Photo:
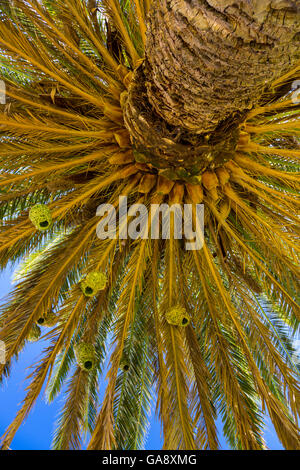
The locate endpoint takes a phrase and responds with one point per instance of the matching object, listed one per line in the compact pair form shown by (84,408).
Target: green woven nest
(93,283)
(40,216)
(124,365)
(178,316)
(48,320)
(85,356)
(34,333)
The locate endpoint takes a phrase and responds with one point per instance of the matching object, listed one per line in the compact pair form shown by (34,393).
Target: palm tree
(162,101)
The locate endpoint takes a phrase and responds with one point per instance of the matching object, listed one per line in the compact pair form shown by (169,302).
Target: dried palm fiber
(210,183)
(34,333)
(176,194)
(147,183)
(85,355)
(40,216)
(93,283)
(195,193)
(164,185)
(121,158)
(209,180)
(224,209)
(223,175)
(48,320)
(178,316)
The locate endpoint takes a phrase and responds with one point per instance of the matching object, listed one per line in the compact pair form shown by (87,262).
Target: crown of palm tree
(69,67)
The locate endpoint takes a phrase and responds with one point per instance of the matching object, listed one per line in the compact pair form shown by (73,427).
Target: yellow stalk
(44,150)
(56,167)
(164,185)
(51,109)
(30,127)
(147,6)
(117,355)
(270,244)
(176,194)
(223,175)
(103,260)
(239,415)
(147,183)
(83,58)
(60,271)
(241,176)
(195,193)
(189,443)
(114,113)
(113,5)
(251,254)
(260,169)
(271,107)
(231,194)
(285,77)
(263,128)
(162,368)
(52,282)
(11,431)
(122,138)
(124,173)
(56,75)
(121,158)
(270,400)
(188,439)
(104,182)
(89,32)
(270,201)
(23,234)
(252,147)
(141,19)
(114,202)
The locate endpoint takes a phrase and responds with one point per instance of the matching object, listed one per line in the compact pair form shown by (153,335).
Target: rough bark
(207,62)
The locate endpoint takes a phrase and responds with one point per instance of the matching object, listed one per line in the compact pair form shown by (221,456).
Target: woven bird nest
(124,365)
(34,333)
(178,316)
(40,216)
(85,356)
(48,320)
(93,283)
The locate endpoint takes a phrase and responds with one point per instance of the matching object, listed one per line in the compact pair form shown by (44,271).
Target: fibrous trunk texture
(207,62)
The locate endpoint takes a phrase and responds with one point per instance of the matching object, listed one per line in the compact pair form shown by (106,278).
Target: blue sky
(36,433)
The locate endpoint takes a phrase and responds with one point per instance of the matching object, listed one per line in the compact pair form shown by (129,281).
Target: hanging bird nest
(178,316)
(85,356)
(34,333)
(48,320)
(40,216)
(93,283)
(124,365)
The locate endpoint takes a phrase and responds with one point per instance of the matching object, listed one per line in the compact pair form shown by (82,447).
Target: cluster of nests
(86,356)
(94,282)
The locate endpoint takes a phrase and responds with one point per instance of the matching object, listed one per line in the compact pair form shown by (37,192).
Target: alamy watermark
(296,354)
(158,221)
(2,352)
(2,92)
(296,92)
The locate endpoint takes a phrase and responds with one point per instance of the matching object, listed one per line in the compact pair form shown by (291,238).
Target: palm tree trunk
(207,62)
